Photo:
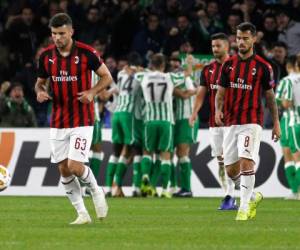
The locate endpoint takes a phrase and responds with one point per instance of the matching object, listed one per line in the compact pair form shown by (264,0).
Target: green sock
(165,169)
(173,176)
(290,174)
(137,172)
(95,163)
(297,175)
(121,170)
(146,164)
(110,171)
(185,173)
(155,173)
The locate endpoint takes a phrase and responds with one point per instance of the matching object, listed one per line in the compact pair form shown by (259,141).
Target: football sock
(89,180)
(185,173)
(230,186)
(146,164)
(73,191)
(222,176)
(95,162)
(121,170)
(247,186)
(155,173)
(165,172)
(291,176)
(137,173)
(173,175)
(237,181)
(298,175)
(111,169)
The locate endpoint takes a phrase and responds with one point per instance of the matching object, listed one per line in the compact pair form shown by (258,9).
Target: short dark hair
(59,20)
(245,26)
(221,36)
(157,60)
(134,59)
(279,44)
(292,60)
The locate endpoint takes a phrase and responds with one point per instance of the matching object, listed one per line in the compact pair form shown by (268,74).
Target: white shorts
(241,141)
(216,141)
(71,143)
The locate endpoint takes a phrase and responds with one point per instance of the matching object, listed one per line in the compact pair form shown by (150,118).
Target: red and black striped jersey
(68,76)
(244,81)
(208,79)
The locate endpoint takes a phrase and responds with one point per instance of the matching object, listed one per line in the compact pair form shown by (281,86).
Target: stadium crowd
(116,28)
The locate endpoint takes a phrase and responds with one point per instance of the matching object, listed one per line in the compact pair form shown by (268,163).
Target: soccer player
(208,84)
(283,90)
(123,118)
(184,134)
(291,101)
(157,88)
(68,64)
(238,107)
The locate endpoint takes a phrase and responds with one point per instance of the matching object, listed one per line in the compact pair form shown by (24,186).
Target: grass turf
(42,223)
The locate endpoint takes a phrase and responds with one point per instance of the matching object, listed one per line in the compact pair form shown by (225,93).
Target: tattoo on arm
(271,104)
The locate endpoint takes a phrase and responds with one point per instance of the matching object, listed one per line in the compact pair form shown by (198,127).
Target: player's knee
(246,164)
(232,171)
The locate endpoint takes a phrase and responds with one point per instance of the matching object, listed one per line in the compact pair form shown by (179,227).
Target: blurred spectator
(269,30)
(23,36)
(15,110)
(93,28)
(289,32)
(111,64)
(150,38)
(279,53)
(234,19)
(209,18)
(101,46)
(124,27)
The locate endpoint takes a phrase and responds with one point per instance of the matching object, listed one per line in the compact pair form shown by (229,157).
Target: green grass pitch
(42,223)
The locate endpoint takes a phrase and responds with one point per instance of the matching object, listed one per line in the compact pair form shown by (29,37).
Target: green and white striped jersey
(127,91)
(184,107)
(95,79)
(157,90)
(292,93)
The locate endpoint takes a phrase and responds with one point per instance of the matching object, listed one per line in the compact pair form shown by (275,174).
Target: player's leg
(117,136)
(59,146)
(155,174)
(97,154)
(73,190)
(173,176)
(80,142)
(289,164)
(294,144)
(127,127)
(137,172)
(248,149)
(165,146)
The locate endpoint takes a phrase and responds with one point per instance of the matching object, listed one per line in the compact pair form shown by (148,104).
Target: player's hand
(192,119)
(43,96)
(219,118)
(86,96)
(276,132)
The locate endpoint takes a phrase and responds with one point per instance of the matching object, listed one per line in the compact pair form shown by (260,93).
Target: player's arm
(41,90)
(197,104)
(184,94)
(105,80)
(287,97)
(271,104)
(219,104)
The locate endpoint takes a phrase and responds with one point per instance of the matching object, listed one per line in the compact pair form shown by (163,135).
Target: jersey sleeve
(203,80)
(267,80)
(41,70)
(177,79)
(94,60)
(287,91)
(223,78)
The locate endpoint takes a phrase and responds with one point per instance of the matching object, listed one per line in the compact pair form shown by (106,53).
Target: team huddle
(155,119)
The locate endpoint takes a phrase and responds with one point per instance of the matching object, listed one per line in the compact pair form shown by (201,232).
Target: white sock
(237,181)
(230,186)
(73,191)
(89,180)
(247,186)
(97,155)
